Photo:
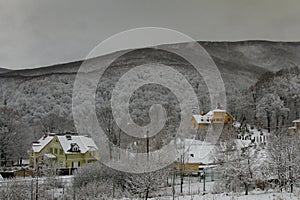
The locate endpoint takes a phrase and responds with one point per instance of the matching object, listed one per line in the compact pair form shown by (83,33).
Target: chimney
(68,136)
(218,106)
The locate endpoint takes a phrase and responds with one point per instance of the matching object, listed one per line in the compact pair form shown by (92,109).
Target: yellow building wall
(55,148)
(187,168)
(219,117)
(194,124)
(229,119)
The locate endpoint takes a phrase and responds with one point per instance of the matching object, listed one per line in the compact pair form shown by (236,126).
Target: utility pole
(119,144)
(173,185)
(204,176)
(147,145)
(37,185)
(31,189)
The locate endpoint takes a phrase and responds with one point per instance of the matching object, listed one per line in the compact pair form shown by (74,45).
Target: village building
(296,128)
(195,156)
(63,151)
(196,153)
(218,116)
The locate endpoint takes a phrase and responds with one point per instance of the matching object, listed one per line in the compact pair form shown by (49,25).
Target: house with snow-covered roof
(195,154)
(214,117)
(296,127)
(63,151)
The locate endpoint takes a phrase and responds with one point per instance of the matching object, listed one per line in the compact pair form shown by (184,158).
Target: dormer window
(74,148)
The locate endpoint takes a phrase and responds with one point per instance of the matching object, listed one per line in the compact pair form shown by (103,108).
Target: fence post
(7,196)
(31,189)
(74,192)
(37,188)
(113,187)
(173,185)
(204,179)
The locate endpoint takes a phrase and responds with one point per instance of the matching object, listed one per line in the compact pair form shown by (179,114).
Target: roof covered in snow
(196,151)
(42,142)
(219,110)
(296,121)
(49,155)
(84,143)
(208,117)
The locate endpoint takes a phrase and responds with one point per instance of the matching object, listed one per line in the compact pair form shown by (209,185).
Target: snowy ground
(193,190)
(260,196)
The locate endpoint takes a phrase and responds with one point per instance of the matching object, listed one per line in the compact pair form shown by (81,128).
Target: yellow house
(214,117)
(63,151)
(194,154)
(296,128)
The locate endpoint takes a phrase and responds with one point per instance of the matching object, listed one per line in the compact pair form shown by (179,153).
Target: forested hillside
(42,97)
(273,102)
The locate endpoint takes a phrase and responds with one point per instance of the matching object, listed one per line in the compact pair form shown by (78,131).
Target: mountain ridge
(218,50)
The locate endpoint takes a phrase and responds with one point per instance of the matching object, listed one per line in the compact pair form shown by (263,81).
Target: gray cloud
(37,33)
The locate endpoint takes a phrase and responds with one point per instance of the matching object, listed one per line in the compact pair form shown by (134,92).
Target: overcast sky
(38,33)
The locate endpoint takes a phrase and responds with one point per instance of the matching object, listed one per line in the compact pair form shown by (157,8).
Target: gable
(74,148)
(42,143)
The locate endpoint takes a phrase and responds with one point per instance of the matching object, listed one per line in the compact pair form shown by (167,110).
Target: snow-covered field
(192,190)
(255,196)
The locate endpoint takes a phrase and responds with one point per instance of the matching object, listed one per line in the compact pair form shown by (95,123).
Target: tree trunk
(181,182)
(246,188)
(269,123)
(147,193)
(283,119)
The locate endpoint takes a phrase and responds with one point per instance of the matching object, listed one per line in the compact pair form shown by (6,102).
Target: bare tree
(284,156)
(97,180)
(239,164)
(269,105)
(144,183)
(56,124)
(13,139)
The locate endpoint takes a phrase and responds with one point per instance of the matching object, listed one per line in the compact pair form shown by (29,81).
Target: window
(51,150)
(60,152)
(75,164)
(55,151)
(74,148)
(92,153)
